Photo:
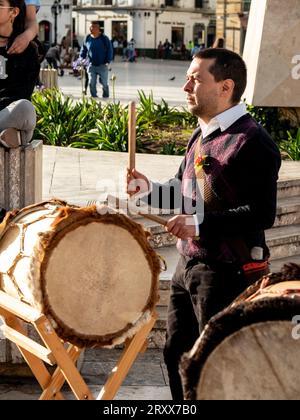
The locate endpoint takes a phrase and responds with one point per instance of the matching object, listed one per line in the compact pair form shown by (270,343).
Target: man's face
(95,29)
(203,92)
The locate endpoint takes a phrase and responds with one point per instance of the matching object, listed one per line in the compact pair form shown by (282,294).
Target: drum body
(93,275)
(250,350)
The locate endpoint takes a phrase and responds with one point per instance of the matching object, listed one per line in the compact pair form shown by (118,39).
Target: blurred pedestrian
(98,49)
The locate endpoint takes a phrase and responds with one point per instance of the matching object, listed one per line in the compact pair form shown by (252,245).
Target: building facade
(149,22)
(55,20)
(232,20)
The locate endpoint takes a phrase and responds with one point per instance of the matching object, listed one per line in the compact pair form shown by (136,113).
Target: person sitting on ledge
(18,76)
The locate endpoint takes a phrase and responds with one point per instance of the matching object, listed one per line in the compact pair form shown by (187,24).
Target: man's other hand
(183,227)
(137,183)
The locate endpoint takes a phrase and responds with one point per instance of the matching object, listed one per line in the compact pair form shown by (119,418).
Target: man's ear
(227,88)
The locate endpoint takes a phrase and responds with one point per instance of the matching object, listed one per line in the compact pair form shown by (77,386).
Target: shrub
(291,146)
(62,121)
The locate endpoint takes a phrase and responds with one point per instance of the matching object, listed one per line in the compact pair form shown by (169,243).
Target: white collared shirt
(222,121)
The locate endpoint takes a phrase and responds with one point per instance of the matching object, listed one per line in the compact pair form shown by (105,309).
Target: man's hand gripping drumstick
(181,226)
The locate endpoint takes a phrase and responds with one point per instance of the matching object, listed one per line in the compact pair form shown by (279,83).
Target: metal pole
(225,21)
(155,32)
(55,24)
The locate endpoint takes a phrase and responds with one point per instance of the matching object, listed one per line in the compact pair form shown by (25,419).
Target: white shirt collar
(223,120)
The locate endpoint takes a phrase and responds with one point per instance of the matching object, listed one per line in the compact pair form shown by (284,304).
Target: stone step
(289,187)
(165,279)
(288,213)
(283,241)
(276,265)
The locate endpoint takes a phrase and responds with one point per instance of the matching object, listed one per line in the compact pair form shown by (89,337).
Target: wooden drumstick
(122,203)
(132,135)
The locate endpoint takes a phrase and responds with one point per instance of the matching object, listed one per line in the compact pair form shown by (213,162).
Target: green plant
(291,146)
(271,120)
(172,149)
(60,121)
(161,114)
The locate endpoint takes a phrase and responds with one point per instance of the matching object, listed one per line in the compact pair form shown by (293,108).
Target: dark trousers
(198,292)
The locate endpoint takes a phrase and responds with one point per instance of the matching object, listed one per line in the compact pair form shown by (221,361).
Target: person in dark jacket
(98,49)
(18,77)
(224,195)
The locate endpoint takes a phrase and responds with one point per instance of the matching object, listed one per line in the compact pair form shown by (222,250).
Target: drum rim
(81,217)
(209,343)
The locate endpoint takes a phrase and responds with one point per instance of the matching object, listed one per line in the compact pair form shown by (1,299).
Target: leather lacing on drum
(12,221)
(285,292)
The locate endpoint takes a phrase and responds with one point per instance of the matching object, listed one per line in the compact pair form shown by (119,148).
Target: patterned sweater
(240,191)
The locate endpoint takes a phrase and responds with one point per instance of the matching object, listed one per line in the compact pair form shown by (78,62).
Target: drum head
(103,279)
(259,362)
(257,334)
(95,276)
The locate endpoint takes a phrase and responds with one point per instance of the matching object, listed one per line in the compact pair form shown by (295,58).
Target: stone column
(272,54)
(48,78)
(20,186)
(21,175)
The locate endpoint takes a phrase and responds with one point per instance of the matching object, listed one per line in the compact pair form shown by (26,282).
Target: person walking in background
(125,50)
(115,45)
(167,49)
(53,56)
(131,51)
(219,43)
(98,49)
(231,166)
(195,50)
(160,51)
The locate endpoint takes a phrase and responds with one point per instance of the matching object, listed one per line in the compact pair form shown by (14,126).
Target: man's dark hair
(228,65)
(19,22)
(96,22)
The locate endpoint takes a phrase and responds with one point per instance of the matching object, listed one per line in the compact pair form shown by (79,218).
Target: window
(119,30)
(170,3)
(198,4)
(108,2)
(246,5)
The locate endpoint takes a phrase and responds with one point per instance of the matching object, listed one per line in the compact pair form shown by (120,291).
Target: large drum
(94,275)
(250,350)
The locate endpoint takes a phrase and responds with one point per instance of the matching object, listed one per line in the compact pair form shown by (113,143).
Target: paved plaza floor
(147,75)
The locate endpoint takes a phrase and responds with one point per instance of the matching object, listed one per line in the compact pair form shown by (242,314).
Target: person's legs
(182,329)
(19,115)
(92,72)
(198,292)
(103,75)
(213,288)
(86,80)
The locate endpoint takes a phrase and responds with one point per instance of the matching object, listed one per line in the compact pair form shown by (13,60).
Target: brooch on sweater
(200,162)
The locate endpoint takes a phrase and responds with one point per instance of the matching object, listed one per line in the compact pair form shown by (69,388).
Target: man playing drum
(231,164)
